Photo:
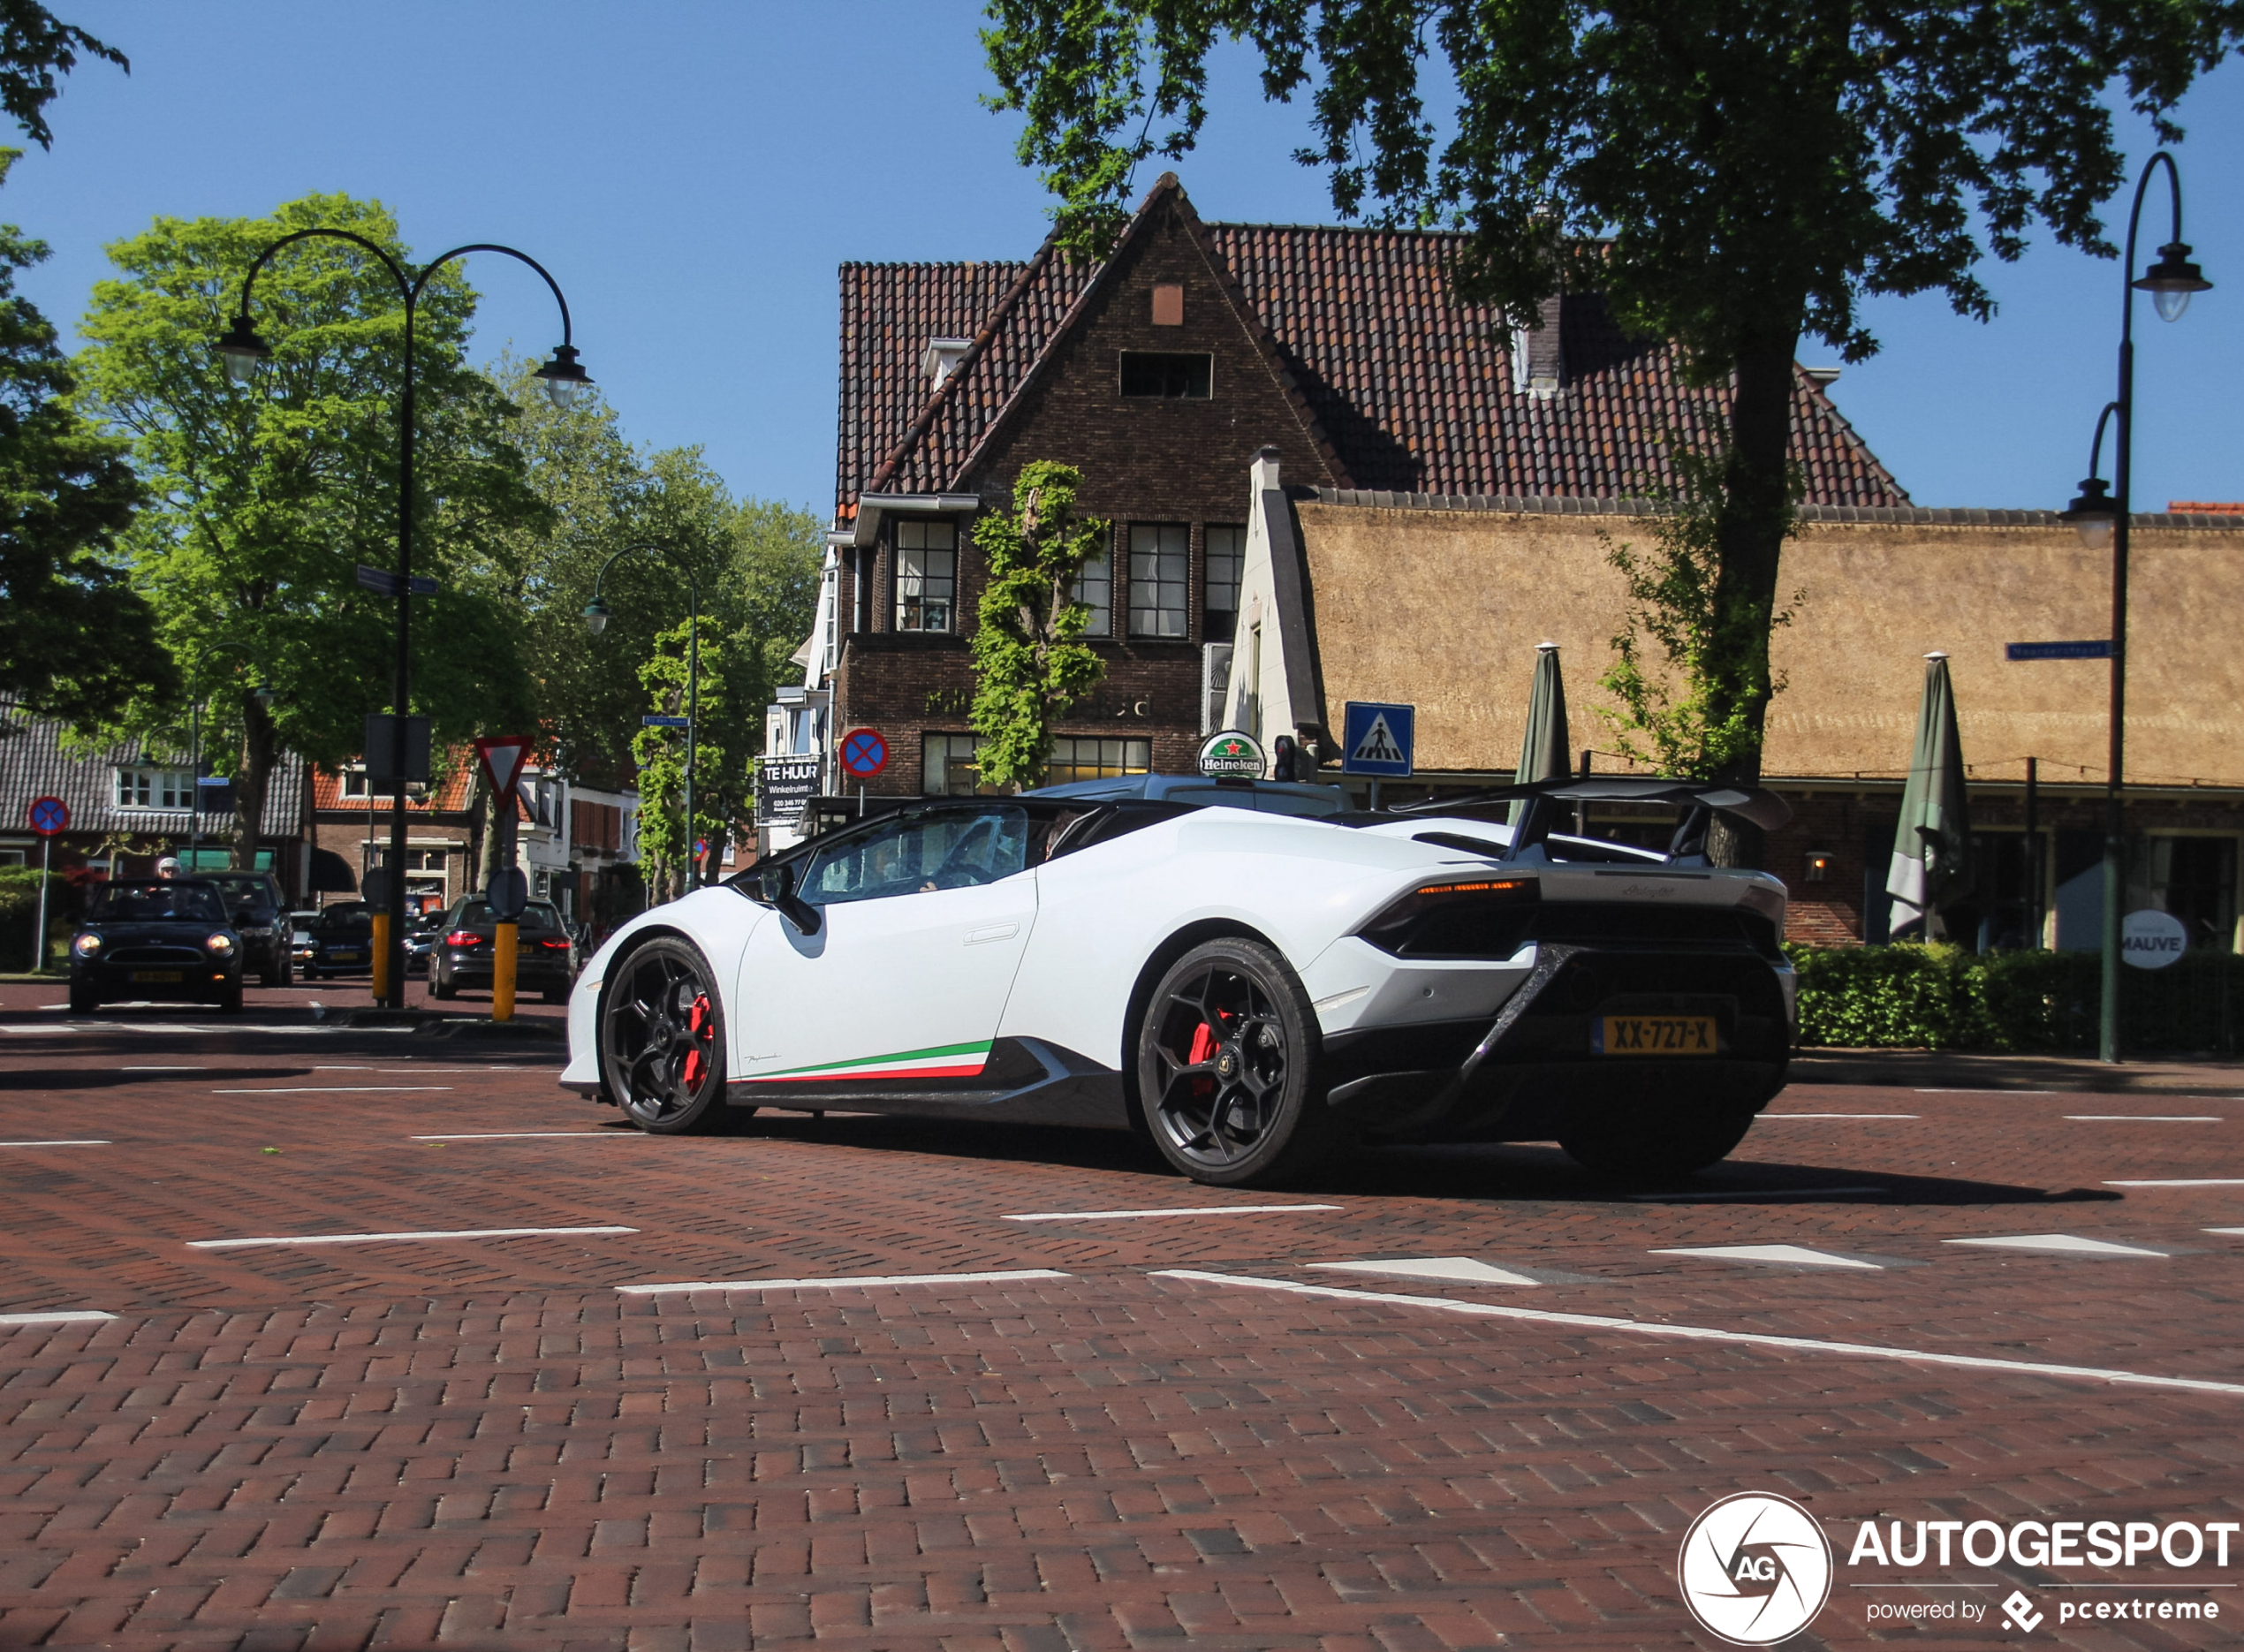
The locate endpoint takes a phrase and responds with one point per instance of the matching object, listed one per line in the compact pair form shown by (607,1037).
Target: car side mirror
(775,888)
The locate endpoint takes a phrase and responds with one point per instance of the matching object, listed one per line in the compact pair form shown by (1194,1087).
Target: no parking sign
(864,754)
(47,815)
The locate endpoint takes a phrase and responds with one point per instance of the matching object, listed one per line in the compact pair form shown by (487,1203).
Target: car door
(922,922)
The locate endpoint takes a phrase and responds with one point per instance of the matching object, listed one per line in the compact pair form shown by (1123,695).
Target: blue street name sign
(384,582)
(662,723)
(1377,739)
(2058,650)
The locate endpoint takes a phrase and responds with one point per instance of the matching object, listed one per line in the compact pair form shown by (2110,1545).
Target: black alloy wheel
(1227,1067)
(662,1041)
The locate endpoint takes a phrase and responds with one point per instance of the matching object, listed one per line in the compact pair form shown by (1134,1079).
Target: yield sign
(503,756)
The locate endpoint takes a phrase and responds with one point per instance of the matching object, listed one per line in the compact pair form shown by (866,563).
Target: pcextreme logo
(1755,1569)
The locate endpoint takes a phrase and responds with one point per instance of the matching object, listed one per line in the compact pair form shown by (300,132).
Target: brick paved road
(482,1442)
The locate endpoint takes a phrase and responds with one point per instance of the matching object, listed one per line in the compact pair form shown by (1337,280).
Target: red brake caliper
(1203,1044)
(698,1022)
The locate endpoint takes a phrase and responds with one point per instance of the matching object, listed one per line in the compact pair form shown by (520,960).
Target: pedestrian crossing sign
(1377,739)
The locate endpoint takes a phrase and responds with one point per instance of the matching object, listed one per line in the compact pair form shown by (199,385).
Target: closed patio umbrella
(1544,752)
(1931,866)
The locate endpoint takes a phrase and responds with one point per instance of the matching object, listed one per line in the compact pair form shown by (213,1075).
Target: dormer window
(940,360)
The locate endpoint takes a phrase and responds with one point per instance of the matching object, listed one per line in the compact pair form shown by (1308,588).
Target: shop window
(1160,556)
(1168,376)
(947,767)
(927,575)
(1090,759)
(2195,879)
(1227,561)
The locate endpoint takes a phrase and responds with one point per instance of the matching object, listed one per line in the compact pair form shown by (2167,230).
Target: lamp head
(566,384)
(2093,514)
(2170,281)
(595,616)
(243,350)
(264,694)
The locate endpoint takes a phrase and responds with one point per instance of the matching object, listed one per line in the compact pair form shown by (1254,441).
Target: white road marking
(541,1135)
(2228,1231)
(57,1144)
(870,1280)
(1760,1192)
(387,1239)
(1133,1216)
(2187,1181)
(2070,1243)
(1798,1255)
(333,1089)
(204,1069)
(2145,1119)
(1703,1333)
(1462,1269)
(1839,1115)
(72,1317)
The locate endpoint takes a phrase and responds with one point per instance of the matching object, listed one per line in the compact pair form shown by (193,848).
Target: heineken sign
(1232,756)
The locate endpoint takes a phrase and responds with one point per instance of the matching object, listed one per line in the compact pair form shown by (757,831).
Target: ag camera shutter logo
(1755,1569)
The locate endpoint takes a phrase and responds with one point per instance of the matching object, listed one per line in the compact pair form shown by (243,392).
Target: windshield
(247,892)
(156,903)
(355,920)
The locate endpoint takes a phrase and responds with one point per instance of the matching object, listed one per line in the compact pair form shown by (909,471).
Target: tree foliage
(1682,713)
(1030,663)
(1730,173)
(77,642)
(35,47)
(268,496)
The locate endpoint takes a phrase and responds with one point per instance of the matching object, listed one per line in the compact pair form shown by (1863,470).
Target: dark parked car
(146,938)
(341,941)
(421,940)
(260,918)
(544,961)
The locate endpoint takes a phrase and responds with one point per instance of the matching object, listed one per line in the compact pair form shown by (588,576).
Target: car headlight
(87,945)
(220,942)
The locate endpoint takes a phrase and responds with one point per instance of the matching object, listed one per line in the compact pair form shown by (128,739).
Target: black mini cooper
(155,938)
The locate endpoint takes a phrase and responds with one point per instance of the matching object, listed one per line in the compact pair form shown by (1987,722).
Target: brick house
(1162,372)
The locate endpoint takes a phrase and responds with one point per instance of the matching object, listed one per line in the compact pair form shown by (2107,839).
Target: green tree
(1732,174)
(35,46)
(76,641)
(267,495)
(1030,661)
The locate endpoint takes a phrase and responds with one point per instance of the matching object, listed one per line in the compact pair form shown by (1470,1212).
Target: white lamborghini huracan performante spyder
(1252,992)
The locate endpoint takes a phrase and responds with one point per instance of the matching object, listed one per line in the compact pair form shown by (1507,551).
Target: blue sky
(692,171)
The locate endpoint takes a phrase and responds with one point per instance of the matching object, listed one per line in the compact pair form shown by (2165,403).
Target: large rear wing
(1699,801)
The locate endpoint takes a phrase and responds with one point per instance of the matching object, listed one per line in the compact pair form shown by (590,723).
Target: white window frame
(1160,580)
(927,577)
(1095,589)
(147,786)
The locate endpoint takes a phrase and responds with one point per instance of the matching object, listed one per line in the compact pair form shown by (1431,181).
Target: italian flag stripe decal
(938,1061)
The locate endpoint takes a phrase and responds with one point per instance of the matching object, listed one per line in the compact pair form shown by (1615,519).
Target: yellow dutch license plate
(1655,1035)
(154,975)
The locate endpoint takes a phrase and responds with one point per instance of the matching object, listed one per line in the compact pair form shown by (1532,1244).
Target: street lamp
(564,382)
(597,615)
(263,693)
(2101,519)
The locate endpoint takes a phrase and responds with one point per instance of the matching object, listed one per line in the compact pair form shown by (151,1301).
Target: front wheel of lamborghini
(662,1041)
(1228,1057)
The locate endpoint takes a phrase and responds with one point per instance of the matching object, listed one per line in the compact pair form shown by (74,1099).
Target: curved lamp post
(263,693)
(2101,519)
(597,615)
(566,382)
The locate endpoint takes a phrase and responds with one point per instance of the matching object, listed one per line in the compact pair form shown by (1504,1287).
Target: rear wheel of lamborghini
(1228,1055)
(662,1041)
(1654,1143)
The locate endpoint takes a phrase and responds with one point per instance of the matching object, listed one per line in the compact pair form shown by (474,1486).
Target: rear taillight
(1474,917)
(555,947)
(463,937)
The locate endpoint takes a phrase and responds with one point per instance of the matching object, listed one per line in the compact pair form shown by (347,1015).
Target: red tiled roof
(1414,393)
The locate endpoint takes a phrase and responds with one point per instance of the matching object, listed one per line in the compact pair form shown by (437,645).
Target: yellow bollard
(381,957)
(502,971)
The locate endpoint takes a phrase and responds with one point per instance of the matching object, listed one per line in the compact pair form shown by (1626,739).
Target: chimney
(940,358)
(1265,475)
(1538,367)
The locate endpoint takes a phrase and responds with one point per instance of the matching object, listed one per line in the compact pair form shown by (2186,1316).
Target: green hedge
(1944,998)
(19,914)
